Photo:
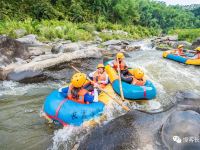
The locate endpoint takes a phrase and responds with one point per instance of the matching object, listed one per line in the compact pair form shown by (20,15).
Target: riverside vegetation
(78,19)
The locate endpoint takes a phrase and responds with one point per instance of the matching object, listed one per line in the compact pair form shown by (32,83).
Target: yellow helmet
(100,66)
(78,79)
(197,49)
(120,55)
(180,46)
(138,73)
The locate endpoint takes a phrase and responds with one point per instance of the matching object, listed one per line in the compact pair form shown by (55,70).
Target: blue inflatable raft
(185,60)
(131,92)
(67,112)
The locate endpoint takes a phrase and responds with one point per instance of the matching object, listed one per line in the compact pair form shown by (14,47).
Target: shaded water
(20,104)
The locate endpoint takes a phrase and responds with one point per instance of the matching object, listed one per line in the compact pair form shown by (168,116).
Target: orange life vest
(198,55)
(99,77)
(139,82)
(122,65)
(180,52)
(81,94)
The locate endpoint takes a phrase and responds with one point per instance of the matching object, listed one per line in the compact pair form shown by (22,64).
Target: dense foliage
(134,16)
(186,34)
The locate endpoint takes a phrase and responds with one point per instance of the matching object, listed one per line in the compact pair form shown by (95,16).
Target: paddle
(113,98)
(120,81)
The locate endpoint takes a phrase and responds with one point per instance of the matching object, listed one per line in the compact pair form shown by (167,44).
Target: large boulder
(11,49)
(111,42)
(30,39)
(64,48)
(182,130)
(196,43)
(41,63)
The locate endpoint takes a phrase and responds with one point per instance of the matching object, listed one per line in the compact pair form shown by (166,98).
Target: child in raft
(99,77)
(76,91)
(137,78)
(197,53)
(179,51)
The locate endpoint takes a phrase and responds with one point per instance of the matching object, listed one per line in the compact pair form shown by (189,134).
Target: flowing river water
(21,126)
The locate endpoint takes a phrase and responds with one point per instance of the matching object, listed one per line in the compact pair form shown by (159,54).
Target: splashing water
(21,127)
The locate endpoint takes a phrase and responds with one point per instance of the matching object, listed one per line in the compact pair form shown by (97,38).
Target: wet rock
(64,48)
(179,128)
(196,43)
(20,61)
(40,50)
(22,75)
(163,47)
(132,48)
(111,42)
(141,130)
(186,44)
(37,66)
(114,47)
(111,135)
(45,57)
(11,49)
(30,39)
(36,52)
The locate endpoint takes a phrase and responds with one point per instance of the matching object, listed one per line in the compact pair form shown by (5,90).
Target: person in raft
(99,77)
(122,64)
(179,51)
(197,53)
(138,77)
(135,77)
(76,91)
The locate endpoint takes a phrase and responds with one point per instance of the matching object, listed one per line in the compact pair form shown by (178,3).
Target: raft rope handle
(145,91)
(59,106)
(57,112)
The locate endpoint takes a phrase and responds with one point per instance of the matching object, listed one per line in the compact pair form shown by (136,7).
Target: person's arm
(91,74)
(90,98)
(63,90)
(106,81)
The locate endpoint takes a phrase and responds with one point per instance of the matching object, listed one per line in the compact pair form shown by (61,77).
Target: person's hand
(60,90)
(96,85)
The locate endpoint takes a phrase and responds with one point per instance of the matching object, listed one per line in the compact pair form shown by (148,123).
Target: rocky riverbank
(26,58)
(171,42)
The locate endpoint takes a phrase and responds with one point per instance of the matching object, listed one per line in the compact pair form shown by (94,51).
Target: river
(21,126)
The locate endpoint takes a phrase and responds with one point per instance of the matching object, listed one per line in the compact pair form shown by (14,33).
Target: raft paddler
(100,77)
(76,91)
(135,77)
(138,77)
(122,64)
(179,50)
(197,53)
